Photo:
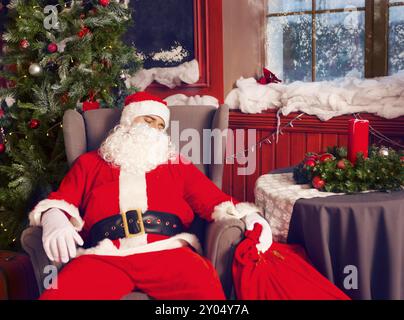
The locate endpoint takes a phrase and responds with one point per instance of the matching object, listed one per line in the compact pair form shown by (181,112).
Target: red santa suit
(94,190)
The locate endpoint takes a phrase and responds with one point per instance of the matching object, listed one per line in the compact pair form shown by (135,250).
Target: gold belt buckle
(139,223)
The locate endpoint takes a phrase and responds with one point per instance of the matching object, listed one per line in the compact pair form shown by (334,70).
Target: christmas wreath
(383,170)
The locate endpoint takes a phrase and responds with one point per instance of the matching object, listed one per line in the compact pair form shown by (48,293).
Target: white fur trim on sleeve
(42,206)
(227,210)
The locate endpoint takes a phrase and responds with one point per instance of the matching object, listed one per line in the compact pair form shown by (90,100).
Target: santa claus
(128,206)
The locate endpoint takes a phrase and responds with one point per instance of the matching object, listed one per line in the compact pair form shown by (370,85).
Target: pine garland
(383,170)
(90,57)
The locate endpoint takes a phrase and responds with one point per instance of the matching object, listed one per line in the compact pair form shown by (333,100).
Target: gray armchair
(85,132)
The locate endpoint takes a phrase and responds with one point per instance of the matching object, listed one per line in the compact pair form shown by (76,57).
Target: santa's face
(152,121)
(140,147)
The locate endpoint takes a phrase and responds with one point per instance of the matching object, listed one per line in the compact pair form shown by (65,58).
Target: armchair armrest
(222,239)
(31,241)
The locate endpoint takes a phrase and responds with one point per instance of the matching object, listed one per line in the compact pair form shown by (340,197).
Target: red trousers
(177,274)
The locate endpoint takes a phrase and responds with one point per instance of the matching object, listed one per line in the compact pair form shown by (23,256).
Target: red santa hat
(144,104)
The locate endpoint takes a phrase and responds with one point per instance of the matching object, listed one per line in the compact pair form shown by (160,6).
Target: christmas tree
(57,55)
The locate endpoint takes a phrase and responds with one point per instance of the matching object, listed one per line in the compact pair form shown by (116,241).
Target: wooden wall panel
(308,134)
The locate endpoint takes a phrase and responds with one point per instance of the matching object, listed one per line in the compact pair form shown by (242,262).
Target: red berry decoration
(326,157)
(34,123)
(311,155)
(104,3)
(24,44)
(2,148)
(310,163)
(341,164)
(52,47)
(318,183)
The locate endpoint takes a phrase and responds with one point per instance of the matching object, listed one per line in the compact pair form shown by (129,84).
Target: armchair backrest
(85,132)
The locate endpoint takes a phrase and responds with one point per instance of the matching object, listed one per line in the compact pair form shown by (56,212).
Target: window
(315,40)
(396,36)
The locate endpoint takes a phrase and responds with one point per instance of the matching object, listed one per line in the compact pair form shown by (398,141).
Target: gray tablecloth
(365,231)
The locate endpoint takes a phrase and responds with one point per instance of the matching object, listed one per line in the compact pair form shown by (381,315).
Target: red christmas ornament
(402,158)
(326,157)
(83,32)
(2,148)
(318,183)
(24,44)
(1,113)
(310,163)
(104,3)
(52,47)
(34,123)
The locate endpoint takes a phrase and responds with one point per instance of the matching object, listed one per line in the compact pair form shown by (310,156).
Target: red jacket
(93,190)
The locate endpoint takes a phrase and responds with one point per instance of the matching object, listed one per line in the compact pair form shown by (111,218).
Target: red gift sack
(283,272)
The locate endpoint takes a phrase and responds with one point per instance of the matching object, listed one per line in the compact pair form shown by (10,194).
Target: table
(360,232)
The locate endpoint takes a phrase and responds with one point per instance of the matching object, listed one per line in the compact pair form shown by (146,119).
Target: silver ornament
(35,69)
(384,152)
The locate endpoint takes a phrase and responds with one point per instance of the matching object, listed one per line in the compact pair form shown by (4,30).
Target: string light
(378,134)
(267,139)
(59,124)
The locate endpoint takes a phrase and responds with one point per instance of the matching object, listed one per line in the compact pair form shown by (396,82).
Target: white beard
(137,149)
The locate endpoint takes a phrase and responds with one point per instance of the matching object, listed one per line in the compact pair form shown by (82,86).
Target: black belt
(134,223)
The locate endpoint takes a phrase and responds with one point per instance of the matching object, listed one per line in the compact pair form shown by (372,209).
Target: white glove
(59,236)
(265,239)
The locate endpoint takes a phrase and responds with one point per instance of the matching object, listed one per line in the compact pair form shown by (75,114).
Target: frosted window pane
(289,47)
(281,6)
(396,39)
(340,41)
(338,4)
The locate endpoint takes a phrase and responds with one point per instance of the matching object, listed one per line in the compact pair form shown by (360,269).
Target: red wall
(308,134)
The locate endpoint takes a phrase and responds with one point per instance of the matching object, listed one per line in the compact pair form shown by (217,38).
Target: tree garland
(383,170)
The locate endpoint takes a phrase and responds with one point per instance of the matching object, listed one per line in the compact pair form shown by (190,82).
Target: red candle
(358,138)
